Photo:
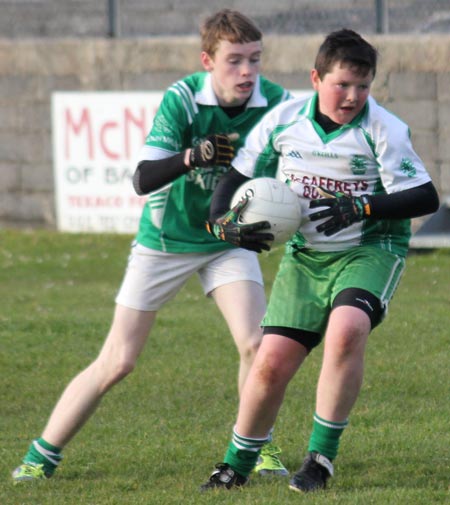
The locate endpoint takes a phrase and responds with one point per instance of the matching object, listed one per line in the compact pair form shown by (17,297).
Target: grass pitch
(157,435)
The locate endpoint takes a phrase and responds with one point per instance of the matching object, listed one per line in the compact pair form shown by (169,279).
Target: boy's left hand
(344,210)
(214,150)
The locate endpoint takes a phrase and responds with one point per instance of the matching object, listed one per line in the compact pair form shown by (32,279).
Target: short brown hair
(349,48)
(227,25)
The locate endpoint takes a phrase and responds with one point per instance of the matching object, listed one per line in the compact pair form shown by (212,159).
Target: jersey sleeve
(168,132)
(259,157)
(261,153)
(400,167)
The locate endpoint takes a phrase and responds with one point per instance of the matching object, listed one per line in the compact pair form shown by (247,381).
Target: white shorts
(153,277)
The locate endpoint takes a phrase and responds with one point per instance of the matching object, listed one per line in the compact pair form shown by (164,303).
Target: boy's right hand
(241,235)
(214,150)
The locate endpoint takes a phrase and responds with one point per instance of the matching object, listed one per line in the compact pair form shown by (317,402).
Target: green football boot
(269,462)
(28,471)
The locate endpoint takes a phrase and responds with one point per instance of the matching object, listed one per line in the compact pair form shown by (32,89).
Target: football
(270,200)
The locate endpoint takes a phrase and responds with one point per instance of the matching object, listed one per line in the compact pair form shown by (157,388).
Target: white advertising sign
(96,140)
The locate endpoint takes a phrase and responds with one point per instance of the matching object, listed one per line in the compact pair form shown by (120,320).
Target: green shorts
(308,281)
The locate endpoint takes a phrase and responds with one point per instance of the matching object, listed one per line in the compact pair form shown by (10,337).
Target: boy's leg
(235,282)
(243,304)
(152,278)
(117,358)
(364,281)
(81,397)
(275,364)
(342,369)
(338,388)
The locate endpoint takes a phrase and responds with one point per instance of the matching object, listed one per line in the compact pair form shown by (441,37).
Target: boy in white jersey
(359,181)
(201,120)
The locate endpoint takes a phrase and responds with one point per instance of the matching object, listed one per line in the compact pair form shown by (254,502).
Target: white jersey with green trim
(173,218)
(372,154)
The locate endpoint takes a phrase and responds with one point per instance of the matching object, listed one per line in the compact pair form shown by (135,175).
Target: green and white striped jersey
(173,218)
(372,154)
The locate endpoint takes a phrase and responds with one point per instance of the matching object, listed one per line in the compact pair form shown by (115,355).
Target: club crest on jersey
(407,167)
(358,164)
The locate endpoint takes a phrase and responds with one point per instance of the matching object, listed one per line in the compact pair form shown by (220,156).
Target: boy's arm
(223,221)
(225,189)
(344,210)
(154,174)
(406,204)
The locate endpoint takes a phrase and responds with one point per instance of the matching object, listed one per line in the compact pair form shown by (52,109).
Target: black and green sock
(41,452)
(325,437)
(243,452)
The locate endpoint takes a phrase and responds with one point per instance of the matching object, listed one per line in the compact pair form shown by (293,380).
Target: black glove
(214,150)
(344,210)
(242,235)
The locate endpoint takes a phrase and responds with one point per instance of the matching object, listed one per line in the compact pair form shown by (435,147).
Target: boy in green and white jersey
(359,181)
(201,120)
(173,220)
(346,160)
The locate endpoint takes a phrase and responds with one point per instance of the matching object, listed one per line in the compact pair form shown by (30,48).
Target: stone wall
(413,81)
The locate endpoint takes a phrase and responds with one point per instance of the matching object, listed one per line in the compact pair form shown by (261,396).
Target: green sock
(325,437)
(41,452)
(243,453)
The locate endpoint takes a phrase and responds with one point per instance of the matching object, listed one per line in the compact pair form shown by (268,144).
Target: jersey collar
(206,95)
(309,110)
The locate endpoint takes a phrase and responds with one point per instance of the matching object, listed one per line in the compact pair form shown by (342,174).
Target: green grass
(157,434)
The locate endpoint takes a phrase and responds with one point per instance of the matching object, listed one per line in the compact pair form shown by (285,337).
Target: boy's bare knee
(249,349)
(348,344)
(114,372)
(269,371)
(124,368)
